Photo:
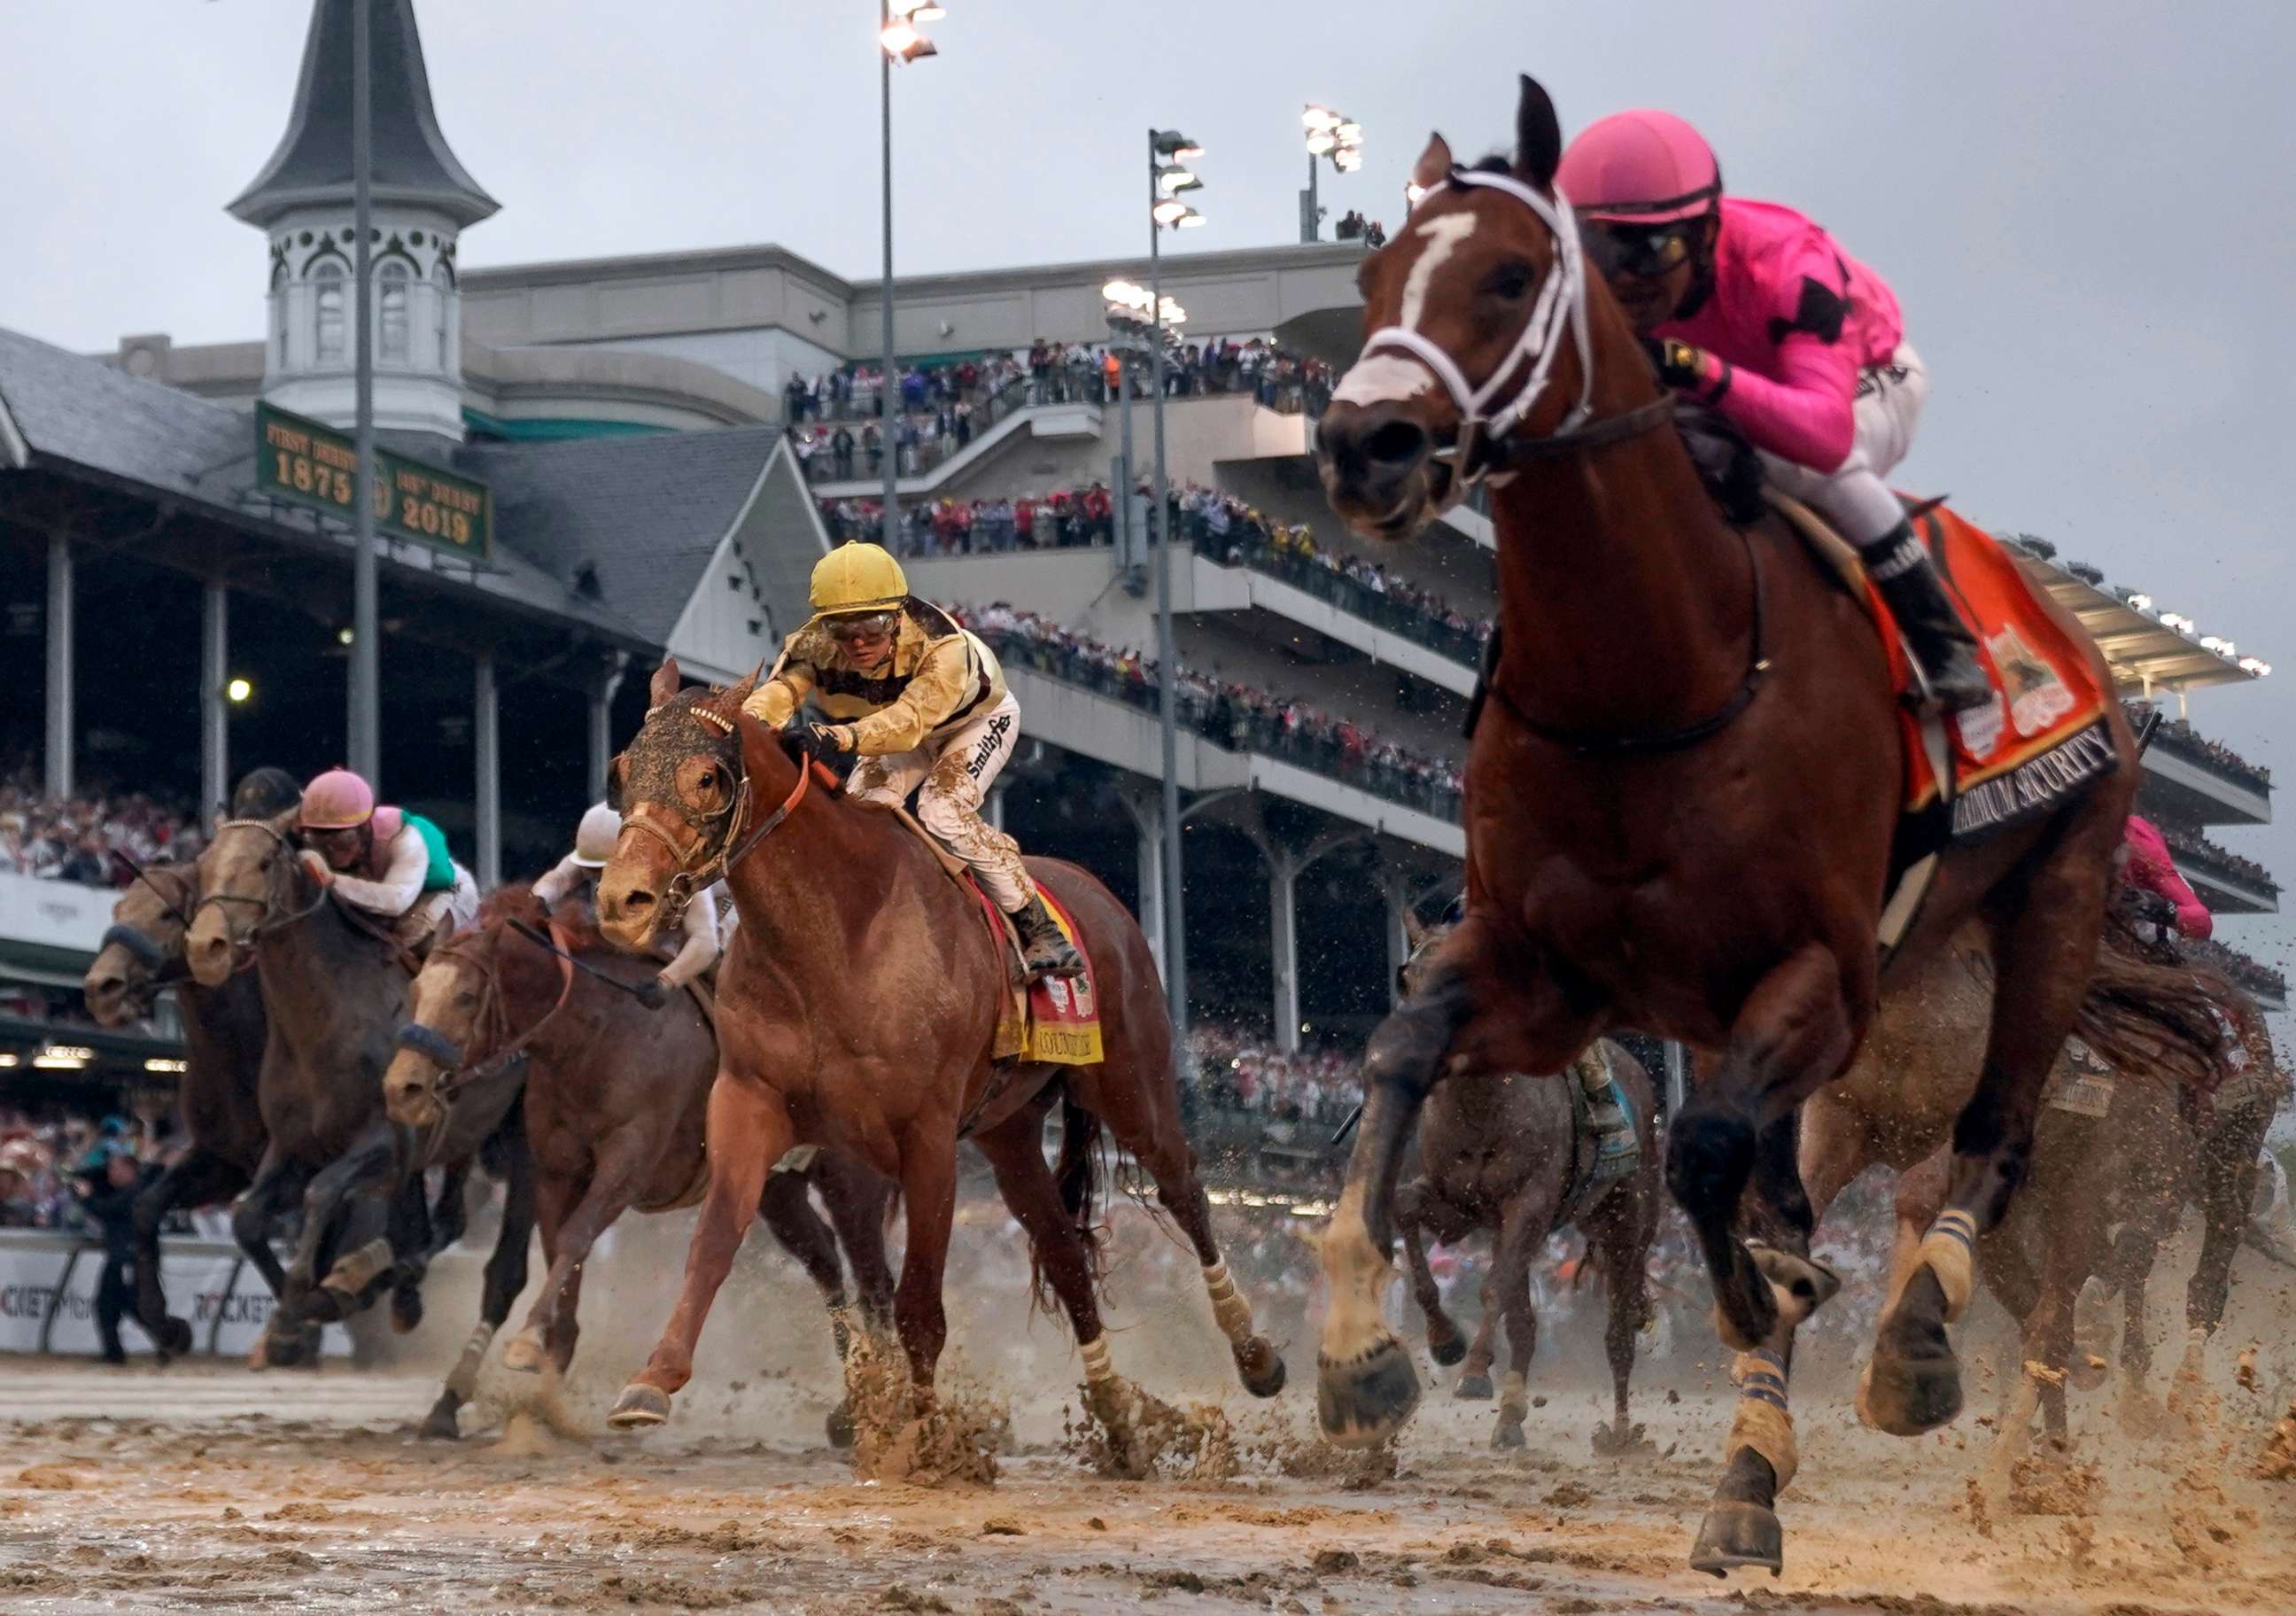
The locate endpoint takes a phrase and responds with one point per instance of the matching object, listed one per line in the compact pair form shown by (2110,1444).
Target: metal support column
(485,742)
(58,759)
(602,722)
(1397,897)
(1311,215)
(366,725)
(214,703)
(1284,946)
(1148,822)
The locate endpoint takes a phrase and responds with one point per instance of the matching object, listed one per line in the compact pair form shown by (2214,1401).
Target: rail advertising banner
(47,1287)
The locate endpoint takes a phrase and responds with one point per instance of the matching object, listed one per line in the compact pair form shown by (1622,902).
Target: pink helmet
(337,800)
(1640,168)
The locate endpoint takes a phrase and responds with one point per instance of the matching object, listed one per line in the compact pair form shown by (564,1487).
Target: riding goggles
(1641,250)
(862,626)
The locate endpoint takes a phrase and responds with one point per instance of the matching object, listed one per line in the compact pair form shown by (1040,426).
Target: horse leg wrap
(357,1270)
(464,1380)
(1229,1306)
(1514,1396)
(1948,1249)
(1762,1421)
(1098,1366)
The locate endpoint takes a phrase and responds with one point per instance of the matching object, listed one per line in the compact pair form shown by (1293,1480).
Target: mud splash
(949,1433)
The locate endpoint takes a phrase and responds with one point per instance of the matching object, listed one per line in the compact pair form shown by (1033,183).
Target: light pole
(1169,154)
(1129,321)
(899,39)
(1333,135)
(364,745)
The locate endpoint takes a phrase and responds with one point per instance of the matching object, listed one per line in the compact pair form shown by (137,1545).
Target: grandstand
(659,440)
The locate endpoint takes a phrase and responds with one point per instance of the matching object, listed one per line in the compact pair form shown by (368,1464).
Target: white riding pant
(460,902)
(1852,496)
(951,776)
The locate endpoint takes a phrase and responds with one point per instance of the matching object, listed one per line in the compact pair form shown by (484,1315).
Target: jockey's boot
(1899,563)
(1606,1112)
(1044,950)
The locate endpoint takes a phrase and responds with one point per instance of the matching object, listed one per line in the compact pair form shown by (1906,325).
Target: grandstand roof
(412,161)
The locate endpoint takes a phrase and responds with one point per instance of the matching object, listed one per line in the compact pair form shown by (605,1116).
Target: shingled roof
(644,514)
(412,161)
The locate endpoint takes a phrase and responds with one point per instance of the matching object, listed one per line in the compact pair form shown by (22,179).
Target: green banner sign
(313,464)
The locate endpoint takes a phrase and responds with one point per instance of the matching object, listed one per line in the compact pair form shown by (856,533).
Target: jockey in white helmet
(706,935)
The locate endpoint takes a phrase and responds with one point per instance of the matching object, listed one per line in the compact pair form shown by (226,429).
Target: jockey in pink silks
(1750,309)
(2149,868)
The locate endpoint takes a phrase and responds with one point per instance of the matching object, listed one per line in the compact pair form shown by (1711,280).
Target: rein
(270,920)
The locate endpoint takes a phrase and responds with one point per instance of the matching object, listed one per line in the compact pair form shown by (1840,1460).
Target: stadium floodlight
(238,691)
(1170,212)
(1174,146)
(1346,159)
(904,42)
(2139,602)
(1317,121)
(1170,313)
(1126,294)
(1188,220)
(918,10)
(1321,144)
(2256,666)
(1173,180)
(2177,622)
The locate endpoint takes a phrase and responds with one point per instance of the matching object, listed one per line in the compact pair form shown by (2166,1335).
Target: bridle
(728,826)
(1484,442)
(1485,445)
(457,1071)
(270,919)
(165,968)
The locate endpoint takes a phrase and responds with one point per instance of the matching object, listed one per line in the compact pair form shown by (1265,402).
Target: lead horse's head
(682,787)
(1476,334)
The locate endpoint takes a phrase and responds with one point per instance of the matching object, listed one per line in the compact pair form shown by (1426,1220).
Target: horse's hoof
(1448,1352)
(441,1425)
(1364,1403)
(1620,1442)
(1261,1368)
(175,1336)
(1507,1433)
(1909,1396)
(640,1408)
(1735,1534)
(1474,1388)
(523,1352)
(841,1432)
(406,1309)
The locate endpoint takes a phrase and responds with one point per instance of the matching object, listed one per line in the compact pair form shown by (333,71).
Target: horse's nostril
(1395,443)
(637,898)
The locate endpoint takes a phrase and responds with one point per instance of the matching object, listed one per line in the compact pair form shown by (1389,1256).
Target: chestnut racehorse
(859,1010)
(1693,840)
(615,1097)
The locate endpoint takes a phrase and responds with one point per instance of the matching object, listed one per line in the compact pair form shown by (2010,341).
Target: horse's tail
(2173,1021)
(1080,1173)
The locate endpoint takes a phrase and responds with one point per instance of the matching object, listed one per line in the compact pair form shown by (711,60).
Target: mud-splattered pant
(951,776)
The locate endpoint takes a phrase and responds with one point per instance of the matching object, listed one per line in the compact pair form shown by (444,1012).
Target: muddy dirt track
(203,1487)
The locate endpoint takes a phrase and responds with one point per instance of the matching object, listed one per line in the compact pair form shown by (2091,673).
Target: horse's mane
(517,901)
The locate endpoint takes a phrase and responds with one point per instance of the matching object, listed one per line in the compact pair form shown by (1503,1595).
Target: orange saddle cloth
(1057,1019)
(2041,739)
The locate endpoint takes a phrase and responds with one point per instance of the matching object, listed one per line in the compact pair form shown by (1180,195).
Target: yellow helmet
(857,578)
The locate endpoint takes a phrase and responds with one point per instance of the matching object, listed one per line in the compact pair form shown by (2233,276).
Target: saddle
(1051,1021)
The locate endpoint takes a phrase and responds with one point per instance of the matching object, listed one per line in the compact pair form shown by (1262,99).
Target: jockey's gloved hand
(314,864)
(1681,365)
(828,742)
(653,994)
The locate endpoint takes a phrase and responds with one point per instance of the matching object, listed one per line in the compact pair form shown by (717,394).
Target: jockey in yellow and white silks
(921,701)
(706,935)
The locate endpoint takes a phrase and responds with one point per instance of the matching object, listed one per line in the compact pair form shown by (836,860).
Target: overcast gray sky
(2086,209)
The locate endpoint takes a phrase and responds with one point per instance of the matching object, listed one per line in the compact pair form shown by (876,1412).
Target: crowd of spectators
(2253,975)
(1235,716)
(1239,1071)
(1221,528)
(88,839)
(1354,228)
(839,425)
(51,1162)
(2177,735)
(2188,842)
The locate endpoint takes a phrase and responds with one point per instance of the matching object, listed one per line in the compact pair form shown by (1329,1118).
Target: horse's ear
(1538,135)
(614,771)
(1435,163)
(665,680)
(730,702)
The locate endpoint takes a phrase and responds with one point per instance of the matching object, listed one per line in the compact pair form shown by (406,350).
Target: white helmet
(595,838)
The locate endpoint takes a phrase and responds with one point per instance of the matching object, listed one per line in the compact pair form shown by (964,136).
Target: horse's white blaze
(1442,237)
(1382,378)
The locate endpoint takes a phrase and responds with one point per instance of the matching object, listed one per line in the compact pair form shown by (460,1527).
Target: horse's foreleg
(1797,1029)
(198,1177)
(1621,1230)
(1444,1342)
(251,1214)
(505,1277)
(748,1130)
(1523,1227)
(788,1212)
(372,1157)
(928,1171)
(548,1333)
(1366,1387)
(1475,1382)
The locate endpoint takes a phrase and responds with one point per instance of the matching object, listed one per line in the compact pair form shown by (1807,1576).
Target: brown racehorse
(142,953)
(615,1098)
(859,1010)
(1693,840)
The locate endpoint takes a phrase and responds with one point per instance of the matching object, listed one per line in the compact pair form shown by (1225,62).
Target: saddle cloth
(2041,739)
(1052,1021)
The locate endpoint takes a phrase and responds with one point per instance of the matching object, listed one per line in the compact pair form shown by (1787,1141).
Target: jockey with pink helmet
(1750,309)
(393,864)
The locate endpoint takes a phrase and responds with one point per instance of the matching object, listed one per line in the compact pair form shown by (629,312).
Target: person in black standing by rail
(107,1189)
